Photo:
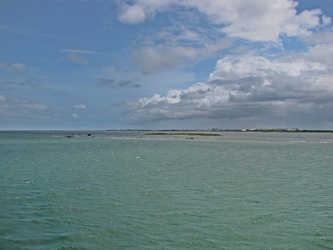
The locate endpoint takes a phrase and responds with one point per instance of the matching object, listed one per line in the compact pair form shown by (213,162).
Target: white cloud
(322,53)
(2,98)
(132,14)
(155,59)
(78,51)
(138,12)
(19,106)
(178,46)
(326,20)
(17,67)
(76,58)
(325,37)
(14,85)
(80,106)
(173,96)
(180,33)
(248,86)
(182,45)
(75,115)
(235,67)
(76,55)
(22,103)
(255,20)
(113,83)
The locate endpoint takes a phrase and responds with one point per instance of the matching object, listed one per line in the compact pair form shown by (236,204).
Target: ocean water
(128,190)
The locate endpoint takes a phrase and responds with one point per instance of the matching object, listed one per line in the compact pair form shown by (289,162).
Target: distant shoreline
(184,134)
(202,132)
(214,132)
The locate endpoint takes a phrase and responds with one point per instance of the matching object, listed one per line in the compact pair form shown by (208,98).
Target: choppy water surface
(127,190)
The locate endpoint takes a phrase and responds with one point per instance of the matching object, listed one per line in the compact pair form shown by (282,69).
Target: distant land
(204,131)
(184,133)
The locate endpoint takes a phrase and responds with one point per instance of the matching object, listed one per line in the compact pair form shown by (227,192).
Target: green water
(122,190)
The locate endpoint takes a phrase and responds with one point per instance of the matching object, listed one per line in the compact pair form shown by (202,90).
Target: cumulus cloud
(132,14)
(139,11)
(325,37)
(255,20)
(247,86)
(326,20)
(235,67)
(322,53)
(183,43)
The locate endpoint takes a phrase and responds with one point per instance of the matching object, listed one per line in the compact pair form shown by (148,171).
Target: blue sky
(112,64)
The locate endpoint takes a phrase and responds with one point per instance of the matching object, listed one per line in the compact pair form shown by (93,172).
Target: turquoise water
(127,190)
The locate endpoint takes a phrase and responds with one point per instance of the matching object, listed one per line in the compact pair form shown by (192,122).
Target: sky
(166,64)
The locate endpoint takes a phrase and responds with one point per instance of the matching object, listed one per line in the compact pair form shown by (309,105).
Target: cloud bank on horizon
(174,64)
